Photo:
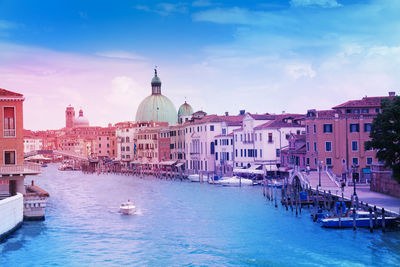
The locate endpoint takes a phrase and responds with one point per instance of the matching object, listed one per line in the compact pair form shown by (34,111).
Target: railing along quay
(317,200)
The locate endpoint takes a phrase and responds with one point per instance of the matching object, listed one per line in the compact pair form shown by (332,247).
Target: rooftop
(365,102)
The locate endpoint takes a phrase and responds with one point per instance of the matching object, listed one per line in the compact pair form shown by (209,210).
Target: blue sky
(262,56)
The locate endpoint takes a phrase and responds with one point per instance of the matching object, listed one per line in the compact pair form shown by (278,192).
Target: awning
(179,164)
(167,163)
(271,168)
(136,162)
(254,167)
(38,157)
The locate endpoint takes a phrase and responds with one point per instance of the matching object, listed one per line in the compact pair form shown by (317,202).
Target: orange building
(12,167)
(336,138)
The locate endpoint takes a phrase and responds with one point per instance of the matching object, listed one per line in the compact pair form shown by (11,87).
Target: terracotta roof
(364,102)
(277,124)
(265,116)
(216,118)
(4,92)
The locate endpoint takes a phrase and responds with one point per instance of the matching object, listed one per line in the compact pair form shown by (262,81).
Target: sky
(219,56)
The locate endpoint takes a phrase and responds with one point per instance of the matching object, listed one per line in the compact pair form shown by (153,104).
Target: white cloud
(120,55)
(314,3)
(301,70)
(202,3)
(164,9)
(168,8)
(234,15)
(5,25)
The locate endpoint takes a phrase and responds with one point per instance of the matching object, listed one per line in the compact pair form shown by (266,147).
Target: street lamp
(354,168)
(319,172)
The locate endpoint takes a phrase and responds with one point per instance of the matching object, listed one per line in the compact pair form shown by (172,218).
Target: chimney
(241,112)
(392,94)
(226,113)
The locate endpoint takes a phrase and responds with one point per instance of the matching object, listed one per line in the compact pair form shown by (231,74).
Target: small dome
(185,110)
(81,121)
(155,80)
(157,108)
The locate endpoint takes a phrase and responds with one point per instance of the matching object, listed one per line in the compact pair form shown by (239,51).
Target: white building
(32,144)
(259,142)
(126,143)
(200,140)
(224,152)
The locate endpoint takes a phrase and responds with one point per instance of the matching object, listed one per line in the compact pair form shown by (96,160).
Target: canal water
(180,224)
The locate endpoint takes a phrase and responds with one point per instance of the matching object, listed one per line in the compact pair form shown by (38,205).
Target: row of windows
(200,129)
(358,111)
(328,146)
(353,128)
(354,161)
(125,148)
(147,136)
(222,155)
(223,142)
(250,153)
(125,139)
(195,164)
(252,137)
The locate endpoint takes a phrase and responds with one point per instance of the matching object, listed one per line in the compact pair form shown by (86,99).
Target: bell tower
(69,117)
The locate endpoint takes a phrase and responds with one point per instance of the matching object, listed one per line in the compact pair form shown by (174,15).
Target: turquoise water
(180,224)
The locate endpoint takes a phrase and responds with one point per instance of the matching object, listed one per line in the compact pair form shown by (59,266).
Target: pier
(304,190)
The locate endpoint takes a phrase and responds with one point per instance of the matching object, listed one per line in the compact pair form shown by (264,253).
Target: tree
(385,135)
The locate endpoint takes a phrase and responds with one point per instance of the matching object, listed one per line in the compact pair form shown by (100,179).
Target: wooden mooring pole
(370,220)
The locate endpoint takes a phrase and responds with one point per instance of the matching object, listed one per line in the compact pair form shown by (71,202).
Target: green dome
(147,110)
(185,110)
(155,80)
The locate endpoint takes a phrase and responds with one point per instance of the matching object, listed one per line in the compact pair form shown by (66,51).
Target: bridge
(301,178)
(55,152)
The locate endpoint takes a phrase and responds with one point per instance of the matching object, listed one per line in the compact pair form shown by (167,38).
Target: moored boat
(35,200)
(127,208)
(235,181)
(194,177)
(274,183)
(362,220)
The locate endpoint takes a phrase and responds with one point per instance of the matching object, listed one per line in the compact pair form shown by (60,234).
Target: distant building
(32,142)
(294,155)
(71,121)
(126,143)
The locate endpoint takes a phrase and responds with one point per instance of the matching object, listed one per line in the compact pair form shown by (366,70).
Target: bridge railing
(16,169)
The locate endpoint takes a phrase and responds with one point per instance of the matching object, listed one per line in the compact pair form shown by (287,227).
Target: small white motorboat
(235,181)
(127,208)
(194,177)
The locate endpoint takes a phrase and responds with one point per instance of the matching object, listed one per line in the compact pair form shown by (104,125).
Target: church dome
(81,121)
(185,110)
(156,107)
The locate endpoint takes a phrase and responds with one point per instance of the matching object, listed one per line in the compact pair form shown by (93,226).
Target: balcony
(26,169)
(9,133)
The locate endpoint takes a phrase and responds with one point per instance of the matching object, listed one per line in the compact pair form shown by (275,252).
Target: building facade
(336,138)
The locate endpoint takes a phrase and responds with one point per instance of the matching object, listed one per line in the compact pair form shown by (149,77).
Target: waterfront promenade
(363,192)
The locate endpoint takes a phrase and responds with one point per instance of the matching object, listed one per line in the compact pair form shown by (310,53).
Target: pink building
(294,155)
(336,138)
